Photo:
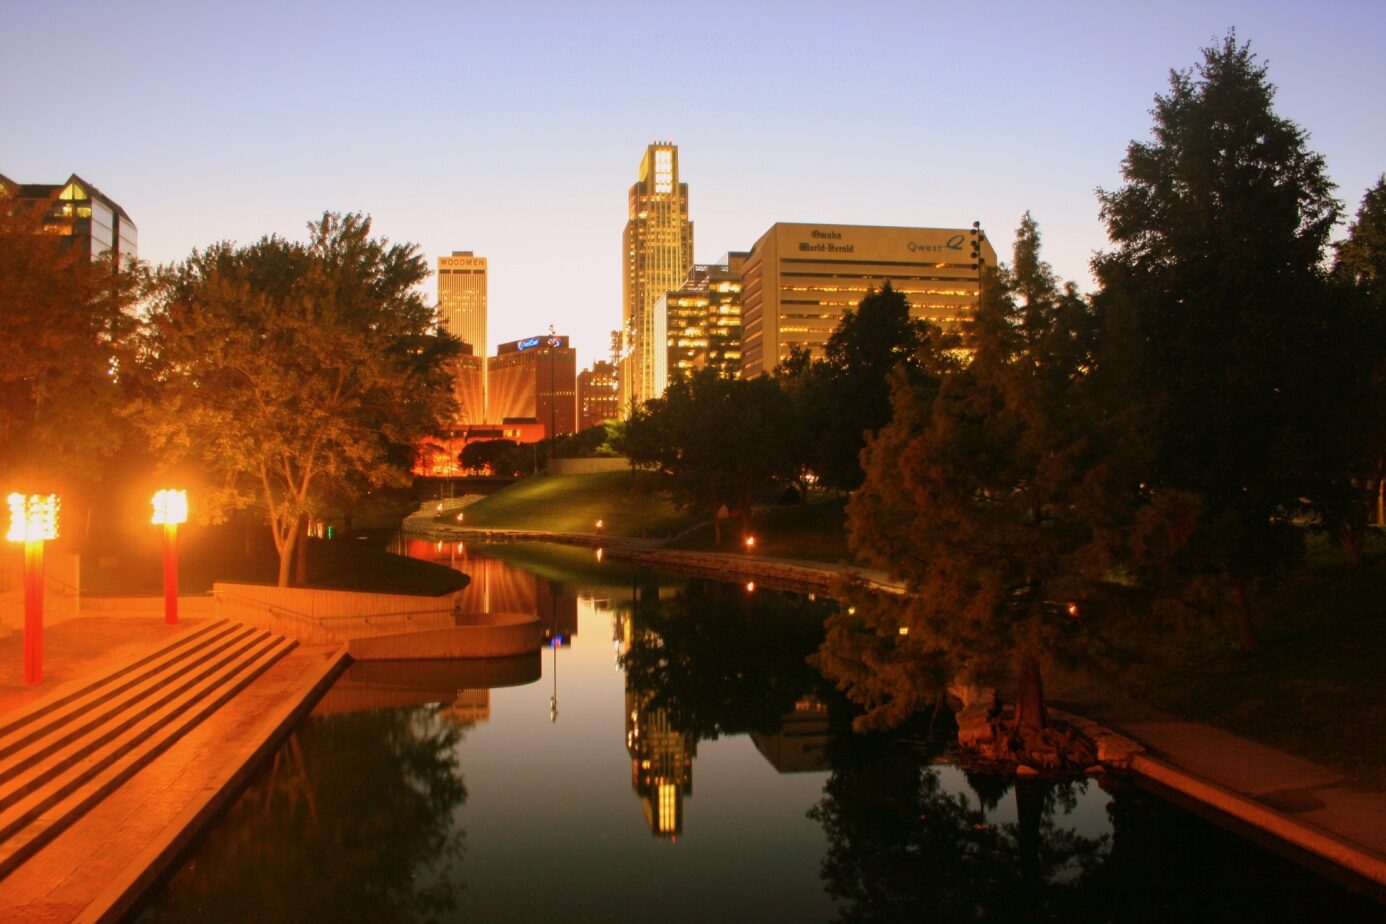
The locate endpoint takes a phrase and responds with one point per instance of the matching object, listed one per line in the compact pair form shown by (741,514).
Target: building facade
(598,395)
(77,211)
(462,297)
(701,322)
(469,387)
(534,378)
(799,279)
(657,249)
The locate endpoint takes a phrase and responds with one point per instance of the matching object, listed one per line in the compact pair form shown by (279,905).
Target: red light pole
(33,520)
(170,509)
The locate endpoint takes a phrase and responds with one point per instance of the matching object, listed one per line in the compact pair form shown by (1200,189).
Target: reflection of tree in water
(720,660)
(298,847)
(901,847)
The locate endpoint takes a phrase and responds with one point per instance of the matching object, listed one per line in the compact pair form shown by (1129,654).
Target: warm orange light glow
(170,507)
(751,586)
(600,523)
(599,554)
(460,516)
(1073,609)
(750,542)
(33,517)
(904,630)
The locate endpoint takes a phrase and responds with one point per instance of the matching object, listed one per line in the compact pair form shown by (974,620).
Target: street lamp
(33,520)
(170,509)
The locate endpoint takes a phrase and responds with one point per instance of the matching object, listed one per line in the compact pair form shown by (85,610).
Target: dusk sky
(515,129)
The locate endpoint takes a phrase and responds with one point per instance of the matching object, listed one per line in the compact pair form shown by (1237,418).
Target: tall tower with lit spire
(657,249)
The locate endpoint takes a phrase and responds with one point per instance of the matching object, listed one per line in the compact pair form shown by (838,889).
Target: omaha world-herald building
(800,278)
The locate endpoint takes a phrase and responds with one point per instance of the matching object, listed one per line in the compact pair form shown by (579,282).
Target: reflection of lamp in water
(554,641)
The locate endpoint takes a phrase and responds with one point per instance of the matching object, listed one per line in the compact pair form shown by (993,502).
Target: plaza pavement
(98,866)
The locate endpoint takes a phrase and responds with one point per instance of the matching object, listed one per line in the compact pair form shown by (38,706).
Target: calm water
(673,758)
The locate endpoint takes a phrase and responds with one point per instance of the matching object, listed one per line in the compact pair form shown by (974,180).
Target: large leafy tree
(718,441)
(987,497)
(1213,302)
(289,367)
(65,321)
(845,396)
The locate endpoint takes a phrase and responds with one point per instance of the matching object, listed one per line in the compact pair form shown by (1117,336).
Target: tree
(65,320)
(1354,433)
(284,366)
(987,496)
(717,441)
(484,455)
(1211,300)
(846,395)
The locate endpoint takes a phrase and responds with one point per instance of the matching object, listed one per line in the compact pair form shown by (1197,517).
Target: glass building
(77,210)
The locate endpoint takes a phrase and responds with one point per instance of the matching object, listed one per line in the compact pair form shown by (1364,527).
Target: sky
(515,129)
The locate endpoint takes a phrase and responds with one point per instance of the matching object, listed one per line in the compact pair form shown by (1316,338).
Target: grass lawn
(813,532)
(574,503)
(1318,686)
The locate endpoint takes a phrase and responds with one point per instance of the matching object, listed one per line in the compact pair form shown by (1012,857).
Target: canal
(671,756)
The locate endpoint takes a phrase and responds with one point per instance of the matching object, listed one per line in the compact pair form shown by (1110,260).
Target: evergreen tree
(986,498)
(1356,434)
(1212,302)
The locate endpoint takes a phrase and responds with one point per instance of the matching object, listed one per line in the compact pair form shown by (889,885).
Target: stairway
(62,756)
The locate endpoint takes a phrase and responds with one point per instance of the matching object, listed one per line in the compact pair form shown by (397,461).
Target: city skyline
(230,128)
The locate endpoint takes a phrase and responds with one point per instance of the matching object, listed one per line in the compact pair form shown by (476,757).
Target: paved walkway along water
(98,865)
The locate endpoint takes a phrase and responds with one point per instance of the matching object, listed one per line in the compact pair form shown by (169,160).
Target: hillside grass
(628,505)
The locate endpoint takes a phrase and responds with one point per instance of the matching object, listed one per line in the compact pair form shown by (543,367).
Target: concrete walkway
(1314,808)
(96,868)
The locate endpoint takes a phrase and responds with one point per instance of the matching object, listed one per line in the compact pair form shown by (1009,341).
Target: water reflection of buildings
(496,587)
(801,743)
(661,757)
(461,687)
(661,764)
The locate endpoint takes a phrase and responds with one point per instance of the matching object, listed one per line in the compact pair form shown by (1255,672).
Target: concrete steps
(64,755)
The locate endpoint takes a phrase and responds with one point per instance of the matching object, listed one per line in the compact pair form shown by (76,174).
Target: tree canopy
(65,322)
(287,367)
(718,441)
(1214,307)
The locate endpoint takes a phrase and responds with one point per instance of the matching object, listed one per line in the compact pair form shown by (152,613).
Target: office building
(462,297)
(536,379)
(701,322)
(598,395)
(469,387)
(800,278)
(77,211)
(657,249)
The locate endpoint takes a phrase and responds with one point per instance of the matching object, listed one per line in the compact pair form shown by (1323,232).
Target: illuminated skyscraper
(462,297)
(657,248)
(701,322)
(598,401)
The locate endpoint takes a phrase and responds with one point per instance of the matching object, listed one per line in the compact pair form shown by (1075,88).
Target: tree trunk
(1352,540)
(1246,632)
(301,553)
(287,555)
(1029,697)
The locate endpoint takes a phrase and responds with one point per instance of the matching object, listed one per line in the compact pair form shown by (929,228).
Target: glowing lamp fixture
(750,542)
(33,521)
(33,517)
(170,507)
